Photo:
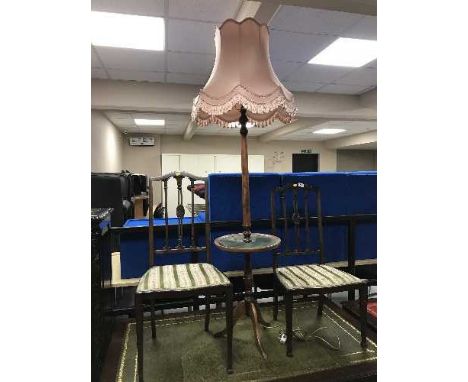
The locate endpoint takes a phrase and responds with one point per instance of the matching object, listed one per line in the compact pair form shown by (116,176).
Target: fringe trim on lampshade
(208,110)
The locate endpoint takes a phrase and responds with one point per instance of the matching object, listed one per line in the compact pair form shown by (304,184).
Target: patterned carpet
(184,352)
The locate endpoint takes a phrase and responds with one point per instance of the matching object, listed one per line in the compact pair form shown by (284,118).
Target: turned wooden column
(246,220)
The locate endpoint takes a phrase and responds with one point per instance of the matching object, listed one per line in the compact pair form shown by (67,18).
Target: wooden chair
(182,280)
(314,279)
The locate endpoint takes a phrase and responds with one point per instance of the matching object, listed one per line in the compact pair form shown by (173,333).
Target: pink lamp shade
(243,76)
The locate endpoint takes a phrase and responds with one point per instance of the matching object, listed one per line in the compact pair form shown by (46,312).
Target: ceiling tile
(121,120)
(216,130)
(302,86)
(182,78)
(351,125)
(124,124)
(257,131)
(343,89)
(194,63)
(366,28)
(131,59)
(298,47)
(134,75)
(169,118)
(139,7)
(318,73)
(190,36)
(117,115)
(283,69)
(99,73)
(310,20)
(149,130)
(175,123)
(302,138)
(204,10)
(360,76)
(113,115)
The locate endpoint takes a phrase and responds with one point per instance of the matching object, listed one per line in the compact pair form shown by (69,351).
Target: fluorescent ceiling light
(329,131)
(127,31)
(149,122)
(237,124)
(248,9)
(347,52)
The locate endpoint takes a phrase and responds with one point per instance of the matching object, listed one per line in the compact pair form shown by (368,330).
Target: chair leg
(153,319)
(229,327)
(363,314)
(275,299)
(320,304)
(207,312)
(139,330)
(289,333)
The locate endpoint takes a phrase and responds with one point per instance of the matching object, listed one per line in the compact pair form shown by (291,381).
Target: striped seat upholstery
(181,277)
(314,276)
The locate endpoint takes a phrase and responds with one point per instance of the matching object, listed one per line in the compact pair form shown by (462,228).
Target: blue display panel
(343,194)
(225,195)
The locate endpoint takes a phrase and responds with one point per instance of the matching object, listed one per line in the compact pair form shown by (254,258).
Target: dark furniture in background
(101,320)
(119,191)
(112,190)
(298,210)
(305,162)
(181,281)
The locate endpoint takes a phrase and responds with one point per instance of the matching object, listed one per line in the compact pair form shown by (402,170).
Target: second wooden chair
(308,279)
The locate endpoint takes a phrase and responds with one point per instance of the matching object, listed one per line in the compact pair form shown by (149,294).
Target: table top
(234,242)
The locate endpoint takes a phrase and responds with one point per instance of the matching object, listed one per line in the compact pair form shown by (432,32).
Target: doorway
(305,162)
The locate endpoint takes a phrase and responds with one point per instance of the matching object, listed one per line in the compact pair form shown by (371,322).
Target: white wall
(111,151)
(106,144)
(142,159)
(353,160)
(147,160)
(231,145)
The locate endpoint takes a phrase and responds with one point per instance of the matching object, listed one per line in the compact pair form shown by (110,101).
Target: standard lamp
(244,88)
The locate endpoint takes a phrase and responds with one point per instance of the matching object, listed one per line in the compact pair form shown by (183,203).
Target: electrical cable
(301,335)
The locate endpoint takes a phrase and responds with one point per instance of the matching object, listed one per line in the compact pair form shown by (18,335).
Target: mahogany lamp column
(246,220)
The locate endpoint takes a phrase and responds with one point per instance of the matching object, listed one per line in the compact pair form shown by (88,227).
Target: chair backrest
(297,215)
(193,248)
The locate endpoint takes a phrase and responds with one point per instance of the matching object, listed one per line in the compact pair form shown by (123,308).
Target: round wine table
(259,242)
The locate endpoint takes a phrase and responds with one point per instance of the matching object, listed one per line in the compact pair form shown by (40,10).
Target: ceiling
(364,146)
(296,35)
(351,128)
(177,123)
(124,121)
